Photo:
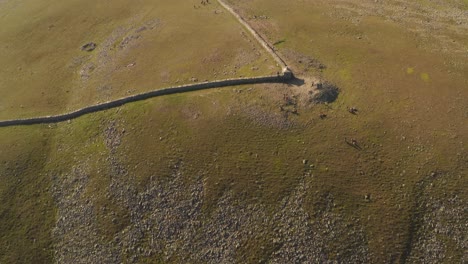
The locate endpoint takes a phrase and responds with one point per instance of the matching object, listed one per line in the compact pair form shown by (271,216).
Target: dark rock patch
(324,93)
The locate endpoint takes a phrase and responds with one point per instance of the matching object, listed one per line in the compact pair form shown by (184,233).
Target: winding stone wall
(143,96)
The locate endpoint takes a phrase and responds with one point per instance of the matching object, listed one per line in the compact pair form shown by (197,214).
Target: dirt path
(281,63)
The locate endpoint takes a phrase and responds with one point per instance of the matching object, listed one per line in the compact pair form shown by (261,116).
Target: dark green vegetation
(184,174)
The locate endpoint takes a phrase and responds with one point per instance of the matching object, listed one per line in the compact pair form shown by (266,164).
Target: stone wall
(142,96)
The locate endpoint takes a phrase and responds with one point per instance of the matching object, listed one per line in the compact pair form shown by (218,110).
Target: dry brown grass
(140,47)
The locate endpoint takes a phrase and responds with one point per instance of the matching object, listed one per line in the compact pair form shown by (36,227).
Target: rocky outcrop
(439,224)
(167,222)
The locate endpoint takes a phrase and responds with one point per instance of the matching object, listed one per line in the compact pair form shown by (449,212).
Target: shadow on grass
(295,82)
(353,143)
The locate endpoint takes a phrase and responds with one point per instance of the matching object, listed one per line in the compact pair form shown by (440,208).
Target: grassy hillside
(254,174)
(27,209)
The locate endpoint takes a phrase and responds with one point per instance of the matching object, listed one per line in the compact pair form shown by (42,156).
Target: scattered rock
(353,110)
(89,47)
(367,197)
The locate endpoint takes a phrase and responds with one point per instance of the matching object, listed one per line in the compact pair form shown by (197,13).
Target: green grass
(26,205)
(395,103)
(279,42)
